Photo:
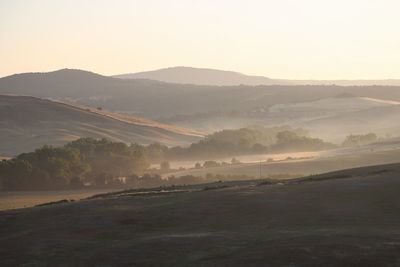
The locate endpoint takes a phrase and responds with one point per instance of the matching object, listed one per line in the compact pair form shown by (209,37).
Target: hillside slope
(331,118)
(28,122)
(340,219)
(382,120)
(154,99)
(383,152)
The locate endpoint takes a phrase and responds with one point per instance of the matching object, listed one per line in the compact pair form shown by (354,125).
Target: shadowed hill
(56,83)
(154,99)
(347,219)
(28,122)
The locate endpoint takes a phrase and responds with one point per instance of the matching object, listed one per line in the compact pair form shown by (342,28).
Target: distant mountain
(60,83)
(385,82)
(201,76)
(28,122)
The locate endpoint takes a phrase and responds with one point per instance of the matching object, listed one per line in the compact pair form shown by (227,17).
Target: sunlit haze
(310,39)
(228,133)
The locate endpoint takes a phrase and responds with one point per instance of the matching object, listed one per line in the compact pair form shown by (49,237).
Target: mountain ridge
(198,76)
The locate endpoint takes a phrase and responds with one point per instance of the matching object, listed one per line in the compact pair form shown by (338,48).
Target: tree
(210,164)
(76,182)
(235,161)
(101,180)
(132,180)
(96,161)
(15,174)
(360,139)
(286,136)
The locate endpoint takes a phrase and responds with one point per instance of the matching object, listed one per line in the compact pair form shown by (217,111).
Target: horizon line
(199,68)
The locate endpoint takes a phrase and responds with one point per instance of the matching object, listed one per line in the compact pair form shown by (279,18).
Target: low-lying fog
(246,159)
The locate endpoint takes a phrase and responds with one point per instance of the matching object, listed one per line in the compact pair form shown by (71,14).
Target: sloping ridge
(199,76)
(206,76)
(374,170)
(133,119)
(159,100)
(28,122)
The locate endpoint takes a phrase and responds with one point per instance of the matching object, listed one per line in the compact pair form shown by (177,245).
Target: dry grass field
(313,163)
(27,123)
(23,199)
(346,218)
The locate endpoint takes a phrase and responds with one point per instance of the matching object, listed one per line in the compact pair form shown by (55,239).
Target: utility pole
(260,168)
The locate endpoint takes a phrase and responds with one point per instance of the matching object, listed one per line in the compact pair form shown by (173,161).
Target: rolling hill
(335,118)
(27,123)
(346,218)
(382,120)
(306,163)
(331,118)
(202,76)
(198,76)
(160,100)
(212,108)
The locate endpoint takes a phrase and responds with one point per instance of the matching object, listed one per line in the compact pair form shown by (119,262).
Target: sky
(308,39)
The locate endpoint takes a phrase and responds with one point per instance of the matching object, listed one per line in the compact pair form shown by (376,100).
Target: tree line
(103,163)
(245,141)
(84,161)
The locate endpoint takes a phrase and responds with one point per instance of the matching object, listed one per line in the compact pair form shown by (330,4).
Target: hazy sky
(319,39)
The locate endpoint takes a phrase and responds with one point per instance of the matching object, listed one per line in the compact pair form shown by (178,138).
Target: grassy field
(346,218)
(23,199)
(321,162)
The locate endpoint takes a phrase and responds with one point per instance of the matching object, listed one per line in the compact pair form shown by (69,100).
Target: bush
(360,139)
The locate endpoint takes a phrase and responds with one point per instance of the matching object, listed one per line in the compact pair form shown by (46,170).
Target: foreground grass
(340,219)
(25,199)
